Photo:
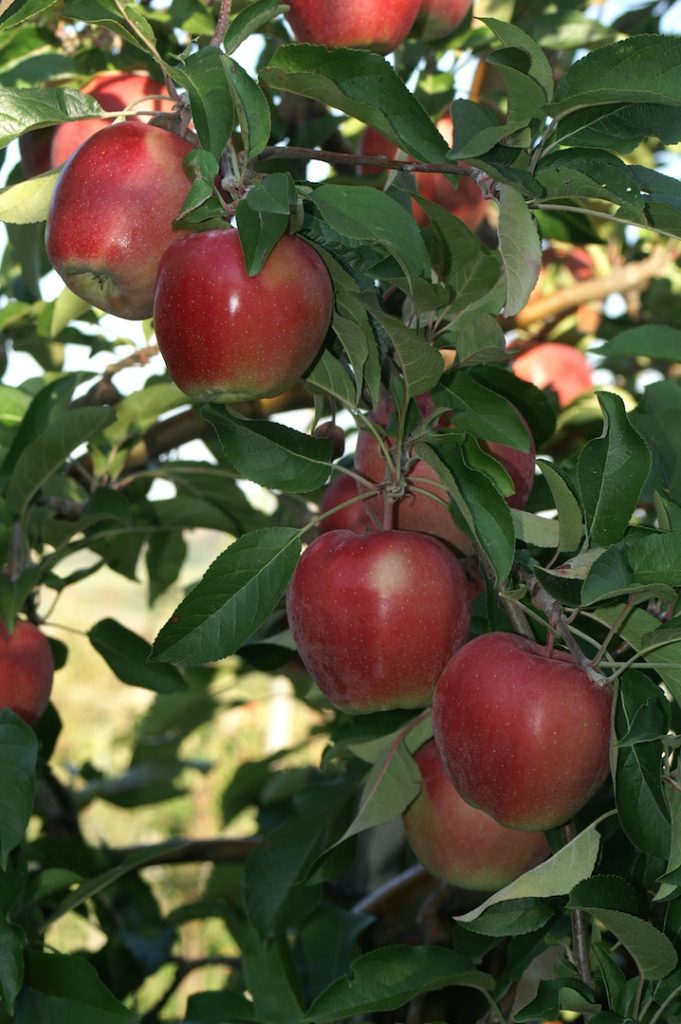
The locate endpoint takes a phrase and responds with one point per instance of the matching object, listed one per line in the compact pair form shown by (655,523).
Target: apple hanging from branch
(365,24)
(26,671)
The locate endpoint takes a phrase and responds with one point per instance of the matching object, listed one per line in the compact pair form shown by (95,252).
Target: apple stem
(388,512)
(580,942)
(222,23)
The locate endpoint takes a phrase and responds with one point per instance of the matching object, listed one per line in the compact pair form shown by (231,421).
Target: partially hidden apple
(111,215)
(437,19)
(353,517)
(423,508)
(376,617)
(522,734)
(228,337)
(459,843)
(365,24)
(463,199)
(26,671)
(552,364)
(113,90)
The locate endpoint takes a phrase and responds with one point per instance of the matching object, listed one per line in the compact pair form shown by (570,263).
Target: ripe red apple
(376,616)
(553,364)
(464,200)
(228,337)
(113,90)
(459,843)
(523,735)
(438,18)
(26,670)
(417,511)
(354,517)
(111,215)
(368,24)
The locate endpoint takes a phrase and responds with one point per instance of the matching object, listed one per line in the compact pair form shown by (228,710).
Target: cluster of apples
(381,620)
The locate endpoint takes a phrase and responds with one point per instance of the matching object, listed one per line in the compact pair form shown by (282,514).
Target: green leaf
(570,519)
(48,452)
(330,377)
(28,202)
(387,978)
(481,411)
(21,10)
(362,85)
(657,341)
(366,214)
(473,270)
(668,887)
(611,471)
(218,1007)
(59,988)
(11,964)
(18,755)
(588,174)
(517,917)
(641,69)
(604,891)
(126,654)
(512,36)
(271,454)
(249,21)
(640,801)
(557,876)
(271,978)
(481,505)
(652,951)
(237,593)
(205,76)
(252,109)
(422,365)
(558,994)
(636,631)
(23,109)
(535,530)
(520,248)
(263,217)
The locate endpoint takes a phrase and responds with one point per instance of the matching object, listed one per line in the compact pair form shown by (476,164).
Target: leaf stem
(580,943)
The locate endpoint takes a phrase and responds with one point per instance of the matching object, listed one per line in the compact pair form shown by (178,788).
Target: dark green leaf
(520,248)
(205,76)
(11,964)
(657,341)
(18,754)
(517,917)
(60,988)
(237,593)
(252,109)
(271,454)
(263,217)
(481,412)
(422,365)
(570,519)
(126,654)
(250,20)
(23,109)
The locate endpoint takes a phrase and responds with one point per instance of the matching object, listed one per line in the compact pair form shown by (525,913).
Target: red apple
(459,843)
(330,431)
(417,511)
(26,670)
(438,18)
(368,24)
(373,143)
(523,735)
(228,337)
(113,90)
(376,616)
(354,517)
(553,364)
(111,215)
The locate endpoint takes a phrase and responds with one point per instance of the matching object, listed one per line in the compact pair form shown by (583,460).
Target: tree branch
(326,156)
(198,851)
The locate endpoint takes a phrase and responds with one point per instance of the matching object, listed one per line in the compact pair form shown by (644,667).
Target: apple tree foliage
(569,125)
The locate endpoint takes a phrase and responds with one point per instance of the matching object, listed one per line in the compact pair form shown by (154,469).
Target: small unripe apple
(26,671)
(438,18)
(365,24)
(523,735)
(376,616)
(459,843)
(552,364)
(330,431)
(228,337)
(417,510)
(353,517)
(111,215)
(113,90)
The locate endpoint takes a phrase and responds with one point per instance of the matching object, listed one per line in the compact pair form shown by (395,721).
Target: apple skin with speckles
(376,617)
(228,337)
(111,215)
(437,19)
(365,24)
(459,843)
(523,736)
(113,90)
(26,671)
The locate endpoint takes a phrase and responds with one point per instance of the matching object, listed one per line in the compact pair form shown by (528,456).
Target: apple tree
(398,299)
